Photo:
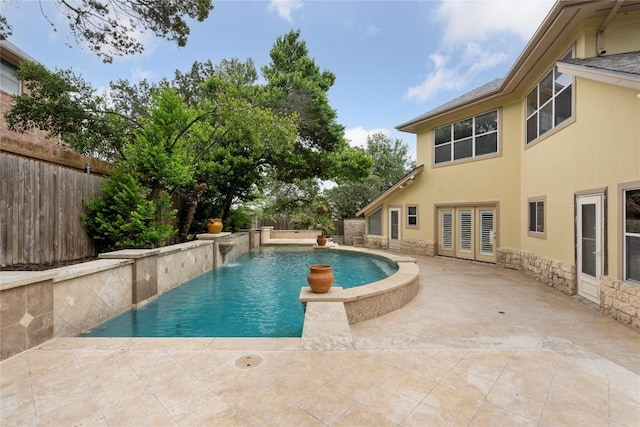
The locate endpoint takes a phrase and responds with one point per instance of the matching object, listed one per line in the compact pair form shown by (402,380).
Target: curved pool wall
(377,298)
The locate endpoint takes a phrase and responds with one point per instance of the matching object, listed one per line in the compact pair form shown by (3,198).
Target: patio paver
(479,345)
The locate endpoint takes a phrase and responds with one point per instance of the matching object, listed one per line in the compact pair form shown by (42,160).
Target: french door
(589,237)
(467,232)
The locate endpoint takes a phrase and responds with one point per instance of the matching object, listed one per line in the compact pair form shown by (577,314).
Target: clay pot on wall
(214,225)
(320,278)
(321,240)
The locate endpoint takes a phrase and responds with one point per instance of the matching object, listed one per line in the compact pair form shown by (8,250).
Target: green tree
(296,84)
(123,217)
(63,104)
(391,162)
(108,27)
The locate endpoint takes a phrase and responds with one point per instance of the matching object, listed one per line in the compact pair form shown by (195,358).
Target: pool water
(254,296)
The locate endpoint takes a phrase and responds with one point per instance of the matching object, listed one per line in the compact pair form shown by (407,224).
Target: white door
(486,235)
(465,242)
(394,228)
(589,246)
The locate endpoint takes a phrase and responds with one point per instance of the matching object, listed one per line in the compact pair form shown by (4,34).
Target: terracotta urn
(214,225)
(320,278)
(321,240)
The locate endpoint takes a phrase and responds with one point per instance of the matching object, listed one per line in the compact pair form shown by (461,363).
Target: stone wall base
(620,301)
(376,242)
(418,247)
(555,274)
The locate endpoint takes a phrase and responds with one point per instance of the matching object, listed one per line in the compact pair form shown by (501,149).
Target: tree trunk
(192,203)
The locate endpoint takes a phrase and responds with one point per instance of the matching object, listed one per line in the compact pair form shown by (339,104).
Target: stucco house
(538,171)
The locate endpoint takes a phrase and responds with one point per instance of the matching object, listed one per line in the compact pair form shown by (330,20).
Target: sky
(393,60)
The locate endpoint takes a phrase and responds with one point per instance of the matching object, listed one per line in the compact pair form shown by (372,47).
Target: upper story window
(549,103)
(468,138)
(8,81)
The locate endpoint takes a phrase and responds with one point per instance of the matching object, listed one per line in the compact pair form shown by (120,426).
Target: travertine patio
(479,345)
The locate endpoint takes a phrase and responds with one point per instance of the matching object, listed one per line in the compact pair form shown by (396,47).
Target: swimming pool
(255,296)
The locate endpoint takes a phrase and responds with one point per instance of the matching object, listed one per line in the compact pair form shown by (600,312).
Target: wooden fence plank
(41,211)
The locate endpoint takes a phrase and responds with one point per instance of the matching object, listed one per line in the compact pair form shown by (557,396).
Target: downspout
(600,50)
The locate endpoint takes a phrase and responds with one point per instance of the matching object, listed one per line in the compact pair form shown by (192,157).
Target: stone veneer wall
(38,306)
(556,274)
(620,301)
(376,242)
(83,299)
(182,262)
(418,247)
(362,309)
(353,228)
(27,317)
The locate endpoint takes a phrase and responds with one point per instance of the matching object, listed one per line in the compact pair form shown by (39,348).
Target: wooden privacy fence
(41,211)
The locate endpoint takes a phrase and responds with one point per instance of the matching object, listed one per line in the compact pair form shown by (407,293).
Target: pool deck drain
(248,361)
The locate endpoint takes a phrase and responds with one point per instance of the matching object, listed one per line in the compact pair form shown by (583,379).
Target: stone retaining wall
(620,301)
(26,311)
(376,242)
(418,247)
(353,230)
(38,306)
(559,275)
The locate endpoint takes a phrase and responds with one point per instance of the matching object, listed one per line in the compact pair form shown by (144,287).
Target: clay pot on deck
(320,278)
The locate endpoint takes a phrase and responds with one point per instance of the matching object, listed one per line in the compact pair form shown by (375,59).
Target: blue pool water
(255,296)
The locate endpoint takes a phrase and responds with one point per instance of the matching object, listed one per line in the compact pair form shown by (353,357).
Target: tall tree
(296,84)
(391,161)
(108,27)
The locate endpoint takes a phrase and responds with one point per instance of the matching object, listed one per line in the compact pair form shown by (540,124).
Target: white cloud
(357,137)
(285,7)
(478,20)
(470,43)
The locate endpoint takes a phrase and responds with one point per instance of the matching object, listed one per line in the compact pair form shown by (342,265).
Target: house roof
(478,92)
(564,17)
(622,69)
(398,186)
(13,53)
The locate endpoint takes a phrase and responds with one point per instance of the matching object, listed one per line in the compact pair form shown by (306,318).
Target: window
(8,81)
(374,222)
(632,235)
(412,216)
(469,138)
(549,103)
(536,217)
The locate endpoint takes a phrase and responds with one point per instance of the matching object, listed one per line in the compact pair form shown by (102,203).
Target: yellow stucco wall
(600,149)
(481,180)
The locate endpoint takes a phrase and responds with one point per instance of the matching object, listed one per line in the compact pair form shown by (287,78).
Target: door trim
(587,285)
(395,243)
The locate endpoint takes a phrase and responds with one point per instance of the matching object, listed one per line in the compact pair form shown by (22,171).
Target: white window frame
(6,76)
(541,234)
(474,136)
(536,109)
(409,216)
(625,234)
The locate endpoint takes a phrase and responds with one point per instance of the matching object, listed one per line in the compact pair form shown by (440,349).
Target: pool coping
(374,299)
